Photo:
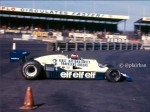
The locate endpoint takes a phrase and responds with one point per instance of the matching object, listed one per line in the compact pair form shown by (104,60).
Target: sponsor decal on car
(72,62)
(90,75)
(14,58)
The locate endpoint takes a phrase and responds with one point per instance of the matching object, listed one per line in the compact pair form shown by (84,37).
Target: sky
(134,9)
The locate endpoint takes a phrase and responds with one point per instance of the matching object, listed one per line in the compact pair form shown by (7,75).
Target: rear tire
(113,75)
(31,70)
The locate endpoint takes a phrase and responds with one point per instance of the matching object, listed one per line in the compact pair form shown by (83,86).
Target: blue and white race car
(65,67)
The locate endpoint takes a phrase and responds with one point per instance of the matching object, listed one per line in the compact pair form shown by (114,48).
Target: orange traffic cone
(28,101)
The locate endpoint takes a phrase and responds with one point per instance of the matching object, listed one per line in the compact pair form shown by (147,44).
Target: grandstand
(142,29)
(65,28)
(29,19)
(142,26)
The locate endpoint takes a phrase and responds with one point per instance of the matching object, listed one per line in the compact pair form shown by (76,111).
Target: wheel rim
(31,70)
(114,75)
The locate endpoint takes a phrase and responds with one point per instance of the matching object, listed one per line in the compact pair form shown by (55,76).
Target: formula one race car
(65,67)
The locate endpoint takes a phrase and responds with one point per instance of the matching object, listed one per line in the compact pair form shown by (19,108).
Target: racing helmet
(74,56)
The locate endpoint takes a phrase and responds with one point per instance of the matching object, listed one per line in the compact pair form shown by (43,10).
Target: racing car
(60,66)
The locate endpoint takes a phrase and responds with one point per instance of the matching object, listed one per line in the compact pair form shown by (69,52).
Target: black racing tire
(113,75)
(31,70)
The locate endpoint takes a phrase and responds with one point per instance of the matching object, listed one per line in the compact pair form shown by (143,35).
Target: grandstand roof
(61,14)
(144,20)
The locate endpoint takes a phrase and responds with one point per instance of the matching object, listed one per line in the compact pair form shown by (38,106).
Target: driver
(74,56)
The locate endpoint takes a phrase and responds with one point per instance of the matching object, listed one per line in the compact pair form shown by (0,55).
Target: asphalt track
(77,95)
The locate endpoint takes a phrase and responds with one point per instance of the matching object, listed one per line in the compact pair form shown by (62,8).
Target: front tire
(31,70)
(113,75)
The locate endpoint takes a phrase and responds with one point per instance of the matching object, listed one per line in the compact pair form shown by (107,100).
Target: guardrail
(86,43)
(67,46)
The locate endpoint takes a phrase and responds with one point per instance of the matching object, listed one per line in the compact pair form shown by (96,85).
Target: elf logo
(89,75)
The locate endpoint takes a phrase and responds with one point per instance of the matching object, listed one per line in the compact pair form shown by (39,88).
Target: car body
(60,66)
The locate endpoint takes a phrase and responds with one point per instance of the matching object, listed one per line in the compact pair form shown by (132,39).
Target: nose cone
(128,78)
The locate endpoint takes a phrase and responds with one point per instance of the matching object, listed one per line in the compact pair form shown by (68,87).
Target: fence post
(56,45)
(66,46)
(126,45)
(107,45)
(121,44)
(137,46)
(76,46)
(132,46)
(84,46)
(93,46)
(100,46)
(114,46)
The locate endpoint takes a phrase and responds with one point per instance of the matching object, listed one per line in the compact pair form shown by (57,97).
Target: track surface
(77,95)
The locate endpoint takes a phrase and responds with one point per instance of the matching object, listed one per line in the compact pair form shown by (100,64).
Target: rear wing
(18,55)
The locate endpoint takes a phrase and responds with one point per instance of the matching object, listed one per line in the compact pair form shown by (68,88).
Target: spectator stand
(86,29)
(40,21)
(142,30)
